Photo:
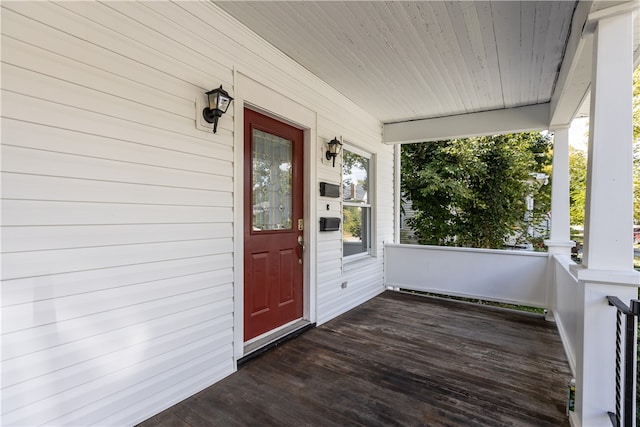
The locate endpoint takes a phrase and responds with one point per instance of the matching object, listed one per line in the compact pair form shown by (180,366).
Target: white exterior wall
(364,277)
(118,213)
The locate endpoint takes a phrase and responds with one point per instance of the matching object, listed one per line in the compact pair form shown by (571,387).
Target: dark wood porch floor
(401,360)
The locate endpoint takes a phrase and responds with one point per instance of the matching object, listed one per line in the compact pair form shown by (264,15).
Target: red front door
(273,206)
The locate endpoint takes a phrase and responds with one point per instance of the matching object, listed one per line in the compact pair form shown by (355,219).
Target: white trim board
(510,120)
(255,95)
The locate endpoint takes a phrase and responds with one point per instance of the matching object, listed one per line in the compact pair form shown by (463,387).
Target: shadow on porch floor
(398,359)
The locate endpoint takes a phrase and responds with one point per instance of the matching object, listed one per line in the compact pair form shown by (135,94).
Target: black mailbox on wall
(329,224)
(329,190)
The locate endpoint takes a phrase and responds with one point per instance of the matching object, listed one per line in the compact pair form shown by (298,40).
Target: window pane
(271,184)
(355,178)
(355,230)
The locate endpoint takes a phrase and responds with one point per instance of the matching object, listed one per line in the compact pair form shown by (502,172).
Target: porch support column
(608,252)
(559,242)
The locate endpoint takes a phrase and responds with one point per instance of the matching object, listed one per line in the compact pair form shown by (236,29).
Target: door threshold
(265,342)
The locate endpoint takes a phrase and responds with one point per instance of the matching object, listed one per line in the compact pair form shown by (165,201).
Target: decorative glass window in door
(272,179)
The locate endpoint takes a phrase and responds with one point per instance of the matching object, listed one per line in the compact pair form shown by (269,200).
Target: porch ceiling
(404,61)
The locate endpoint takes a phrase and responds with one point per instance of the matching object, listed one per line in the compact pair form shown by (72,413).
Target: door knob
(301,243)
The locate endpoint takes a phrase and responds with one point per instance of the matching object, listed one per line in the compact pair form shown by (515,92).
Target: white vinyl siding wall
(364,277)
(117,212)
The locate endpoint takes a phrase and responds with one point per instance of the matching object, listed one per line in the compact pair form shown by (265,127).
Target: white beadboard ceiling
(410,60)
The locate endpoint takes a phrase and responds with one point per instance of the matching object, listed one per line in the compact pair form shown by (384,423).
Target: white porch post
(608,253)
(559,242)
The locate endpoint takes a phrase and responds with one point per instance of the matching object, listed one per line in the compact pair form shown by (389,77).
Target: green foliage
(355,172)
(578,166)
(352,221)
(636,104)
(471,192)
(636,149)
(351,163)
(636,182)
(577,185)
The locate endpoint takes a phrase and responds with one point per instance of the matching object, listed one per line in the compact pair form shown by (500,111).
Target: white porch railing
(568,309)
(515,277)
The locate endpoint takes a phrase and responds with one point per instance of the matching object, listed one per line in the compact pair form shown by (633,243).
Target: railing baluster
(618,367)
(628,366)
(626,392)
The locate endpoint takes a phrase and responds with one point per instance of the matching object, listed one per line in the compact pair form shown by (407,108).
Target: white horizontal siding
(39,86)
(44,331)
(36,212)
(363,283)
(45,64)
(364,277)
(30,264)
(117,246)
(121,143)
(39,238)
(20,291)
(118,213)
(55,115)
(34,187)
(57,164)
(194,374)
(127,384)
(72,355)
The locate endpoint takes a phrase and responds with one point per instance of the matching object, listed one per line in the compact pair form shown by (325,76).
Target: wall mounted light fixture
(219,101)
(333,149)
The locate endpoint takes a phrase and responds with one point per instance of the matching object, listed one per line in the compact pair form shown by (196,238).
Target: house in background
(143,255)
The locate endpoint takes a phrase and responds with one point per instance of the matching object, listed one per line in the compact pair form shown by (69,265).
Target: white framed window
(357,211)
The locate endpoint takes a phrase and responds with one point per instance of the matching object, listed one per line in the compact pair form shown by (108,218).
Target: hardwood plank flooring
(397,360)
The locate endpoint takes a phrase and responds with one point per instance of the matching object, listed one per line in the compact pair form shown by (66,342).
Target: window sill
(354,261)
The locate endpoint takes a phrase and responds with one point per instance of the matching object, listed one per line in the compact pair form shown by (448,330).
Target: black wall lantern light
(333,149)
(219,101)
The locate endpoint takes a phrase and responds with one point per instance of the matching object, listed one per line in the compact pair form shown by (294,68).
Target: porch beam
(574,77)
(508,120)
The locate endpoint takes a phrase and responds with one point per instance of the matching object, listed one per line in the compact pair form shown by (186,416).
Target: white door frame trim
(248,92)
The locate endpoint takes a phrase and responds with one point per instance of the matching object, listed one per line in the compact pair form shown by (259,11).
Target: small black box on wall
(329,224)
(329,190)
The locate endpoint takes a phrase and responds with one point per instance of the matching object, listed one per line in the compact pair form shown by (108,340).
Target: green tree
(577,185)
(636,182)
(471,192)
(355,171)
(636,148)
(578,166)
(352,221)
(636,104)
